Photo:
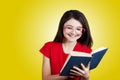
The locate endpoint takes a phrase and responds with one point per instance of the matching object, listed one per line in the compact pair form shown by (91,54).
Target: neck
(69,43)
(68,46)
(66,42)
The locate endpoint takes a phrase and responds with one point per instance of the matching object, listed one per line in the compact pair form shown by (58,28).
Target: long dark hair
(86,38)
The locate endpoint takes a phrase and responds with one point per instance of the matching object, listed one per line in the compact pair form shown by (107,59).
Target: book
(76,58)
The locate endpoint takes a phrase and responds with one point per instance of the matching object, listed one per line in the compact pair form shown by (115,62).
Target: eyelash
(79,29)
(71,28)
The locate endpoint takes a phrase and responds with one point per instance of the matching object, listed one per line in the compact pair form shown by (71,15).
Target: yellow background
(26,25)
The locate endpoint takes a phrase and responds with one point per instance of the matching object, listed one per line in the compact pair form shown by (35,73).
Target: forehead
(73,22)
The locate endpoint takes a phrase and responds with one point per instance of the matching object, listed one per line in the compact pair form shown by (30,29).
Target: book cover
(76,58)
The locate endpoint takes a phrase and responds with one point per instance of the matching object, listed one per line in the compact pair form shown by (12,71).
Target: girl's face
(72,30)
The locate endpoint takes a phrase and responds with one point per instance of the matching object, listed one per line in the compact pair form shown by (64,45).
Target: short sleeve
(45,50)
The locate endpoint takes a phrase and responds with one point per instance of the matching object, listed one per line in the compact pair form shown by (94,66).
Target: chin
(69,39)
(72,40)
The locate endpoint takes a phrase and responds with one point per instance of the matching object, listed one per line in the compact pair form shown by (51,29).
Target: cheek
(79,34)
(65,30)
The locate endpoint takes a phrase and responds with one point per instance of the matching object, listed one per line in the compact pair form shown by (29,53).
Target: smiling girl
(73,35)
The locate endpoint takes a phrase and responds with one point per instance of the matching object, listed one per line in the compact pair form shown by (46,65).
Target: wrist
(85,78)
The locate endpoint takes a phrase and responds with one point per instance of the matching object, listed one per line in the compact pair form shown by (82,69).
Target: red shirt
(54,51)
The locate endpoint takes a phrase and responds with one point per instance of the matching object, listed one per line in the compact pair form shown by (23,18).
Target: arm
(46,71)
(83,73)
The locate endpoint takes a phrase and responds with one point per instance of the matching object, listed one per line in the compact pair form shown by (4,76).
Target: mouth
(72,36)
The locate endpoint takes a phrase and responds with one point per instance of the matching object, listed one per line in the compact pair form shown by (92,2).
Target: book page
(65,62)
(99,49)
(76,53)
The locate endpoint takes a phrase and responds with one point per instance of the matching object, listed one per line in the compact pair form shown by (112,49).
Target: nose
(73,31)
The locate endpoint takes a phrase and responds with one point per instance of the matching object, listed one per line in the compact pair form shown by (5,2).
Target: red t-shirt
(54,51)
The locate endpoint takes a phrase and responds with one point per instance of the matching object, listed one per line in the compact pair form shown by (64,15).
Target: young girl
(73,35)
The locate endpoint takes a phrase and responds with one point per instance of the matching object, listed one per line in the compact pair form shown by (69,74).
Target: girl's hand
(83,73)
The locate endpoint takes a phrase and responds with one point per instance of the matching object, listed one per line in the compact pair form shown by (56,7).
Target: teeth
(71,35)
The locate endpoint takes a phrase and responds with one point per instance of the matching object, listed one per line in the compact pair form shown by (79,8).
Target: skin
(72,31)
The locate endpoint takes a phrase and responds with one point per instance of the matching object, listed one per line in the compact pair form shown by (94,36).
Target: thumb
(88,65)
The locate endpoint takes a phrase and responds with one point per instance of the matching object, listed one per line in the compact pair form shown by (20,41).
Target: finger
(73,74)
(88,66)
(83,67)
(78,69)
(76,73)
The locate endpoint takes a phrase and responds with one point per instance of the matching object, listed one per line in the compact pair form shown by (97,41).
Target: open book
(76,58)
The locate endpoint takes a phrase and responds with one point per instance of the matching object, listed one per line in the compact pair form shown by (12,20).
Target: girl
(73,35)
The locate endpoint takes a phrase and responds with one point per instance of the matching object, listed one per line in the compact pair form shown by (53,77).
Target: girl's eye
(69,28)
(80,29)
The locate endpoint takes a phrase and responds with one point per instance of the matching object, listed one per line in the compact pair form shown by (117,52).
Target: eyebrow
(72,26)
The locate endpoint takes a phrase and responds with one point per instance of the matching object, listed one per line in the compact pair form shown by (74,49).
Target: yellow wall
(27,24)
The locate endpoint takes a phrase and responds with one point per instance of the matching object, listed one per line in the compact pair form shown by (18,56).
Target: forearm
(54,77)
(82,78)
(46,71)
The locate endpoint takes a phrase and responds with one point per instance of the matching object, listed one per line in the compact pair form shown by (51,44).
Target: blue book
(76,58)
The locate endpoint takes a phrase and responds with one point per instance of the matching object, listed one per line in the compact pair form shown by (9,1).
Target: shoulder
(84,48)
(52,44)
(48,47)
